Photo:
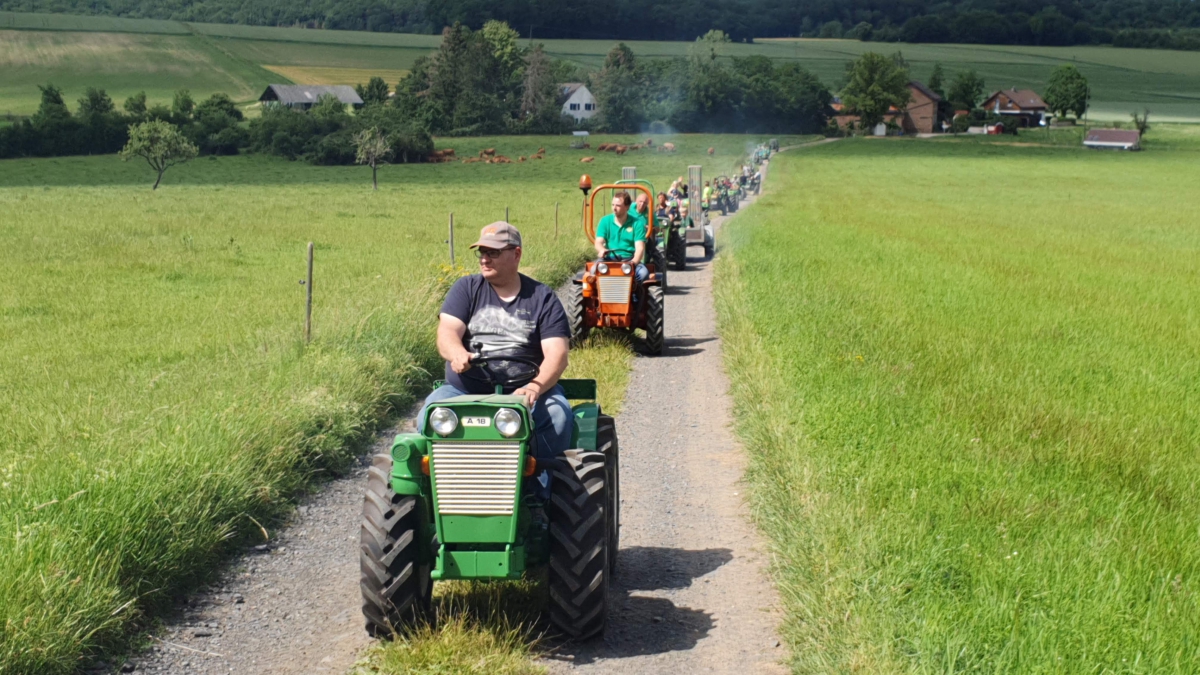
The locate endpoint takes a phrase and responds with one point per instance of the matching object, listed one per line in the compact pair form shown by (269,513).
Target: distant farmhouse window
(589,106)
(574,106)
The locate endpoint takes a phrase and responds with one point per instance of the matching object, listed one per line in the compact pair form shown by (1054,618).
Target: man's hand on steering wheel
(461,363)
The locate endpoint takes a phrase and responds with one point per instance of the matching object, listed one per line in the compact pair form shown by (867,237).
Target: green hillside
(128,55)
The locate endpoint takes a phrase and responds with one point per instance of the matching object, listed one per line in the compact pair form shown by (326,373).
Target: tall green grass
(160,405)
(967,379)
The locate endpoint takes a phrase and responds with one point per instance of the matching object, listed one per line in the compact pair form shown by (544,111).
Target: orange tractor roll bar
(589,206)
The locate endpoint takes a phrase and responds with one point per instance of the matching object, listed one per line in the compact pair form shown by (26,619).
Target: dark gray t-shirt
(514,328)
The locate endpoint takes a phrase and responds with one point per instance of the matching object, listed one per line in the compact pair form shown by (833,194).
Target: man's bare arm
(450,333)
(601,246)
(639,250)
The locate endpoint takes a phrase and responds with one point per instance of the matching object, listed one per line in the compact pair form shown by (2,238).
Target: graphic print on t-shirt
(499,333)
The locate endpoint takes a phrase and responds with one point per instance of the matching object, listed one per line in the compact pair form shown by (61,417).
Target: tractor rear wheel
(578,570)
(607,445)
(576,316)
(655,328)
(677,250)
(396,586)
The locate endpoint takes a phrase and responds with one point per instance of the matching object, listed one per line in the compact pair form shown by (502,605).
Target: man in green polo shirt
(622,233)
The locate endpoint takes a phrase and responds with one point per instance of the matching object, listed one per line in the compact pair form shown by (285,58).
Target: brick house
(1024,105)
(918,117)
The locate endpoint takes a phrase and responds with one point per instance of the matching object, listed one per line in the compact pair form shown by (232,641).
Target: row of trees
(98,127)
(1131,22)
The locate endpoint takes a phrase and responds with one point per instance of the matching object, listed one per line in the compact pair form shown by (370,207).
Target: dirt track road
(691,595)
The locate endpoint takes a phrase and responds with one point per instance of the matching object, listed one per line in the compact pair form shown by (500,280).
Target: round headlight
(508,422)
(602,268)
(443,421)
(625,268)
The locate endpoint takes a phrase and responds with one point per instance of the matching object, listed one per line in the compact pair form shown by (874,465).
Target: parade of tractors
(468,495)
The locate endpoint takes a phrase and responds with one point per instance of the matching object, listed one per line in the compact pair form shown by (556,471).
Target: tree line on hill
(478,82)
(1130,23)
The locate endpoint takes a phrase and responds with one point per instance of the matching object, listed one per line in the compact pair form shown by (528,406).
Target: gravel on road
(691,592)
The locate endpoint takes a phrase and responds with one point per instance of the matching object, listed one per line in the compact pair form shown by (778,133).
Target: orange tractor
(606,294)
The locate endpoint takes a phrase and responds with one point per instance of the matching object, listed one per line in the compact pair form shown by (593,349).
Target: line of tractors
(460,498)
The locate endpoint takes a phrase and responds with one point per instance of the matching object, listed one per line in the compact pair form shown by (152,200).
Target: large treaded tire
(575,315)
(396,586)
(607,445)
(578,570)
(677,250)
(655,325)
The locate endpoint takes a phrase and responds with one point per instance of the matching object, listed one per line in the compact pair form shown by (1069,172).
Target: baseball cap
(498,235)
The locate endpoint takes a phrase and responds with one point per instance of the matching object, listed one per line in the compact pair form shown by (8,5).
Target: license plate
(477,421)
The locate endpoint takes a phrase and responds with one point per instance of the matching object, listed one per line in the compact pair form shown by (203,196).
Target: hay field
(328,75)
(122,64)
(160,402)
(966,375)
(1122,80)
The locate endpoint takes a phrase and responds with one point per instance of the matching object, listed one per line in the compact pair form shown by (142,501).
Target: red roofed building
(918,117)
(1028,109)
(1113,139)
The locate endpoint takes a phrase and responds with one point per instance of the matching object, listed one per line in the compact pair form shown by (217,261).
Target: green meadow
(118,54)
(161,405)
(967,378)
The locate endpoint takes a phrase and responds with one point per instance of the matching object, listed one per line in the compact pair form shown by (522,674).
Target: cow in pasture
(649,142)
(711,151)
(586,160)
(621,149)
(668,147)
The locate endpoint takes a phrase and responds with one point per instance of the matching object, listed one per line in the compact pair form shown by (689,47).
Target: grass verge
(161,407)
(972,413)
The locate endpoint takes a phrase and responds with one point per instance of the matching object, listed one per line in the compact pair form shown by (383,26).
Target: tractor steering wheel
(496,379)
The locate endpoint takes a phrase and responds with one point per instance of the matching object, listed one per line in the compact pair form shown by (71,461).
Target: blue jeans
(551,418)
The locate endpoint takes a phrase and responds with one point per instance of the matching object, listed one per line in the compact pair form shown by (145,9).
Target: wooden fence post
(308,291)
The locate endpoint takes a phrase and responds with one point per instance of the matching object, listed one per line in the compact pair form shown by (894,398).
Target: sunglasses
(490,253)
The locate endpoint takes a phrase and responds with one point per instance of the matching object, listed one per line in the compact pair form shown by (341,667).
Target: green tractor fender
(408,451)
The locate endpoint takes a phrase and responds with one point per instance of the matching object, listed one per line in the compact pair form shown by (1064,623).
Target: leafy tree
(936,81)
(95,102)
(832,29)
(160,144)
(1067,91)
(874,83)
(52,107)
(372,148)
(966,90)
(183,105)
(1050,27)
(136,105)
(861,31)
(1141,122)
(617,91)
(375,91)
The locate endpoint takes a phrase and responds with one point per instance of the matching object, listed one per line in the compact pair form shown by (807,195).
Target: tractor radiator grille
(615,290)
(476,478)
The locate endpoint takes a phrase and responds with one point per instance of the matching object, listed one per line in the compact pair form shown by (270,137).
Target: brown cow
(448,152)
(521,158)
(621,149)
(711,151)
(587,146)
(541,151)
(585,160)
(537,157)
(490,152)
(668,147)
(649,142)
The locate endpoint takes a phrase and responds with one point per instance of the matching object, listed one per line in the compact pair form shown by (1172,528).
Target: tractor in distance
(606,293)
(665,237)
(464,498)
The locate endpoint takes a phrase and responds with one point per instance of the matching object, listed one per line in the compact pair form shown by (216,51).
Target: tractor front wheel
(655,325)
(396,586)
(576,317)
(578,570)
(607,445)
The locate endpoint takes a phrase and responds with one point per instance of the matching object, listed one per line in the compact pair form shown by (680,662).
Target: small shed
(305,96)
(1113,139)
(577,101)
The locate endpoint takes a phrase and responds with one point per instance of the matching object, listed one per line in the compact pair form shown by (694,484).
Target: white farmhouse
(578,102)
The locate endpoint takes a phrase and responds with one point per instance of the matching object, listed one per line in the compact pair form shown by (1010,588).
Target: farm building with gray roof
(305,96)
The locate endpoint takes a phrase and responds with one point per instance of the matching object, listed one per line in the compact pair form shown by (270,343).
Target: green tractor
(459,499)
